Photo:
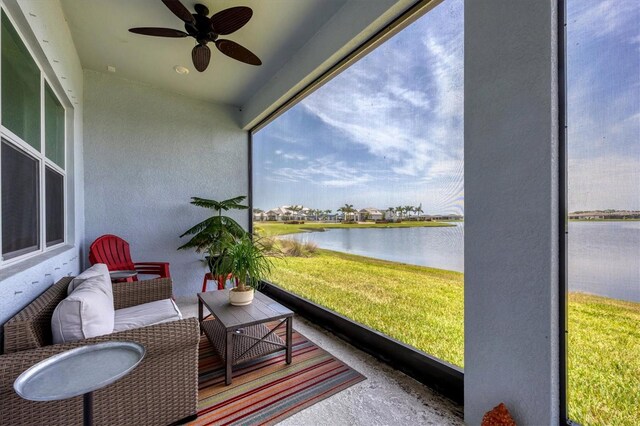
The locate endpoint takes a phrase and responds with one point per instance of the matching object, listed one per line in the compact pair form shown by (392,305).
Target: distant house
(283,213)
(370,213)
(605,214)
(259,216)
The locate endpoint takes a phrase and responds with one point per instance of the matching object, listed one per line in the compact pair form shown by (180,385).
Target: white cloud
(414,124)
(323,171)
(603,17)
(608,182)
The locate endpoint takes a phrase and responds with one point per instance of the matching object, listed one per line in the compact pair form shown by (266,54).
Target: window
(374,157)
(20,87)
(603,152)
(55,207)
(32,158)
(20,202)
(54,127)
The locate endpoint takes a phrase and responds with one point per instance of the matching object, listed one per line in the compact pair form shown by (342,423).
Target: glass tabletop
(78,371)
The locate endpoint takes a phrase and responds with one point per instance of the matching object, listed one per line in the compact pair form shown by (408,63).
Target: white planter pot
(240,298)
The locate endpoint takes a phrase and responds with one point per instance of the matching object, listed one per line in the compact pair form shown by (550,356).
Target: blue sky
(388,130)
(603,76)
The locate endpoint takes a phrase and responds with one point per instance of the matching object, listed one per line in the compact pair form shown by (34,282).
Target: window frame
(40,156)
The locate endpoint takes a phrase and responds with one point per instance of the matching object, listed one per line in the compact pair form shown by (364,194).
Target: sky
(388,130)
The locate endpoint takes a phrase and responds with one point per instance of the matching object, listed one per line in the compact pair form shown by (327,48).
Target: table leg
(87,409)
(228,357)
(200,314)
(289,339)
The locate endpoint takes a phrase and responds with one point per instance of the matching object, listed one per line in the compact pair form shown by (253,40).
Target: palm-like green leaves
(230,204)
(210,234)
(246,260)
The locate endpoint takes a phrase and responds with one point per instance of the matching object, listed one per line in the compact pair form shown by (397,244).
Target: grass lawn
(604,360)
(424,308)
(269,229)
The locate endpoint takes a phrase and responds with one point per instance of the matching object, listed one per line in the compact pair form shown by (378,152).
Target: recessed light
(111,68)
(181,69)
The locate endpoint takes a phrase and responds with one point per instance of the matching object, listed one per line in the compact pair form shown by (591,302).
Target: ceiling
(278,29)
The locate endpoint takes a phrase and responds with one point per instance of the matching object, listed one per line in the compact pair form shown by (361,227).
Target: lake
(604,257)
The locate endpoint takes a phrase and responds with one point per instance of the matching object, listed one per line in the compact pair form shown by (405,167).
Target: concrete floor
(387,397)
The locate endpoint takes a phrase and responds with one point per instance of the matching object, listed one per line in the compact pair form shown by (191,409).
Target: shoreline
(272,229)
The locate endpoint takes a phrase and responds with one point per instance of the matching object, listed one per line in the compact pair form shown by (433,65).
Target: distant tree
(347,209)
(296,209)
(399,211)
(408,209)
(419,210)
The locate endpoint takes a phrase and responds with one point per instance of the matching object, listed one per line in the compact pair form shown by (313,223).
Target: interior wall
(45,31)
(511,210)
(147,151)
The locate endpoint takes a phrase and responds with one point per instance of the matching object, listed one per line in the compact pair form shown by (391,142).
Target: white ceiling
(278,29)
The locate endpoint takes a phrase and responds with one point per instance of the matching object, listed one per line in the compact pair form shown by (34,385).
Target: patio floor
(387,397)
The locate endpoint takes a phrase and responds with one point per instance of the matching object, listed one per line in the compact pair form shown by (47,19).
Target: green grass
(270,229)
(604,360)
(423,307)
(387,296)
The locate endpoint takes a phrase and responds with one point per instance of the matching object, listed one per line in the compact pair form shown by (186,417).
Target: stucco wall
(45,30)
(511,210)
(147,151)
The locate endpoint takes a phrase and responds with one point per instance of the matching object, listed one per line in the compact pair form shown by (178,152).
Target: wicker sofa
(162,390)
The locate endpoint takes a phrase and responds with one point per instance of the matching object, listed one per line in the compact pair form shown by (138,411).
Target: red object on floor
(114,252)
(498,416)
(221,280)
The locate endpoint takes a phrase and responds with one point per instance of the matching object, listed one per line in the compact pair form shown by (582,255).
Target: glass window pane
(54,198)
(20,87)
(20,202)
(54,127)
(603,147)
(375,158)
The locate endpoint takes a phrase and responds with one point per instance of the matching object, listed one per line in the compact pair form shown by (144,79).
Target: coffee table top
(261,310)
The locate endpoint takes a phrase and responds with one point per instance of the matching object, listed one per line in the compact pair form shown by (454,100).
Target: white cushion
(86,312)
(151,313)
(98,270)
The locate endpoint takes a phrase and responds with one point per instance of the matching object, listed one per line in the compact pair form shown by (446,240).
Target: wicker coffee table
(239,333)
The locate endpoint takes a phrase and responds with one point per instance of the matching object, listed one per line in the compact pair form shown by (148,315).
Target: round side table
(79,371)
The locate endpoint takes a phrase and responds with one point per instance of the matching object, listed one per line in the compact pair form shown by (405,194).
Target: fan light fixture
(182,70)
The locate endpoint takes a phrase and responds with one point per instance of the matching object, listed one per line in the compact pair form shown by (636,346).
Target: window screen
(603,152)
(20,87)
(374,158)
(20,202)
(54,198)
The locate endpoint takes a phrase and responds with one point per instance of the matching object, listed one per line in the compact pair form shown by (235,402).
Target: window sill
(31,262)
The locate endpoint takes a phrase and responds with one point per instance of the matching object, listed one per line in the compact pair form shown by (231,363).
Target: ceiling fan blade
(237,52)
(201,55)
(179,10)
(230,20)
(159,32)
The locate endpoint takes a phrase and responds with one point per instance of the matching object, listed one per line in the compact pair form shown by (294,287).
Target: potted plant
(248,262)
(215,233)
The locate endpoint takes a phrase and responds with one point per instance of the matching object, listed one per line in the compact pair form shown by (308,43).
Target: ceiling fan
(205,30)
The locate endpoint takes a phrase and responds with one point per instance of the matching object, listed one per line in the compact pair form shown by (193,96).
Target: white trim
(40,156)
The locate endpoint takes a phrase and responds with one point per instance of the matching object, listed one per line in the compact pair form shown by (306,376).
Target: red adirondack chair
(114,252)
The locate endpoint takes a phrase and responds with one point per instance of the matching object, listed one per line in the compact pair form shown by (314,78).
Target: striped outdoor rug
(266,390)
